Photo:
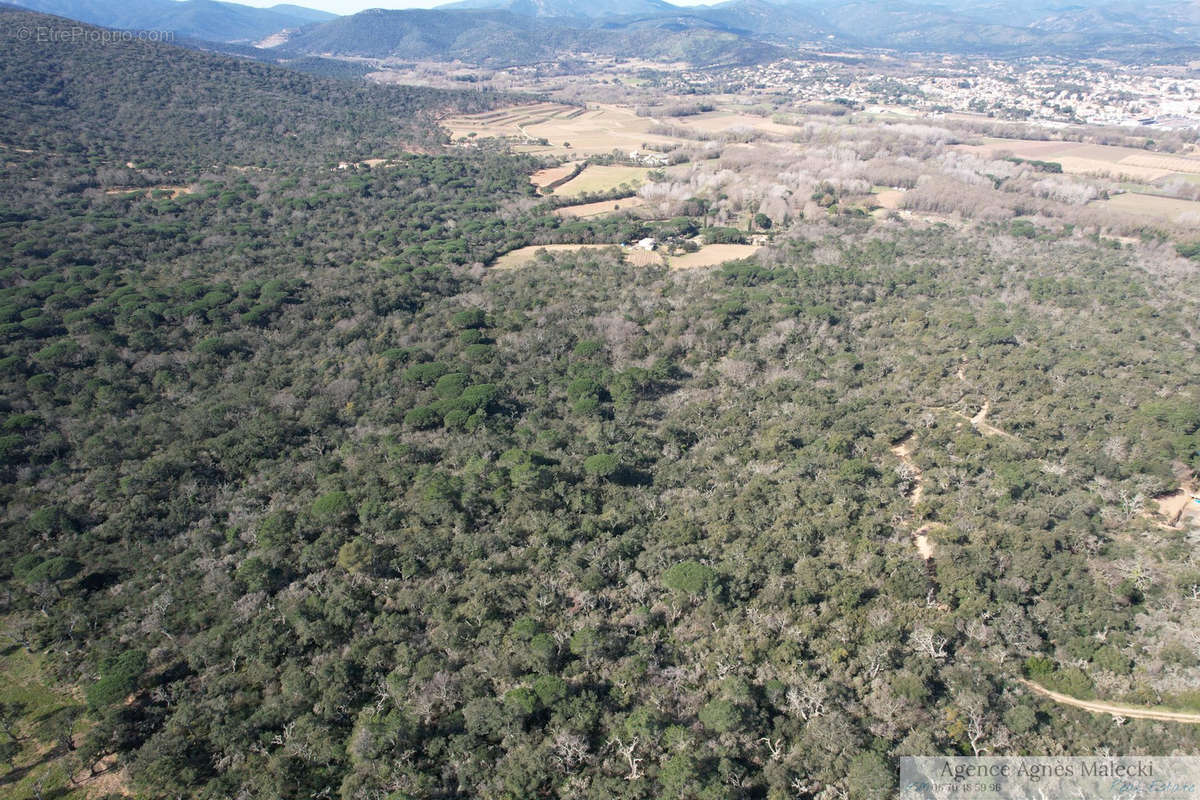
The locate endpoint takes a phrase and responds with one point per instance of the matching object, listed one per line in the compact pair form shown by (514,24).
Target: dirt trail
(904,451)
(1116,709)
(981,417)
(921,540)
(983,426)
(979,421)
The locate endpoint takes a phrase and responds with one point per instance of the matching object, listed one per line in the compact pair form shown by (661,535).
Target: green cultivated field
(596,179)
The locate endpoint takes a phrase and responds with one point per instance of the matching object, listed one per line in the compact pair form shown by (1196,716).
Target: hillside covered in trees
(301,499)
(68,94)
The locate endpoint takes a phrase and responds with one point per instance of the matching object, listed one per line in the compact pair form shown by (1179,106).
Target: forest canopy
(302,499)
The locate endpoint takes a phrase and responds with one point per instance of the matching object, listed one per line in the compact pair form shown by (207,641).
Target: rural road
(1116,709)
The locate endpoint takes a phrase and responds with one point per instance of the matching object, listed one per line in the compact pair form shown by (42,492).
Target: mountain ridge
(210,20)
(486,31)
(502,33)
(502,38)
(566,8)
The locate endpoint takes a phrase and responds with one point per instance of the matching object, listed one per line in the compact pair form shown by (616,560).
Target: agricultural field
(601,128)
(643,258)
(708,256)
(600,208)
(569,130)
(1169,209)
(1081,158)
(597,179)
(715,122)
(544,177)
(712,255)
(527,255)
(507,122)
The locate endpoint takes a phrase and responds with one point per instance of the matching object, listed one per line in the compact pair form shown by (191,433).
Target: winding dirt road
(1116,709)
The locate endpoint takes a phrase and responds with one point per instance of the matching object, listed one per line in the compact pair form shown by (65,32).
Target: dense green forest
(302,500)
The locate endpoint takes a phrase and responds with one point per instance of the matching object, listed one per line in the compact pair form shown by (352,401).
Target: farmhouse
(649,159)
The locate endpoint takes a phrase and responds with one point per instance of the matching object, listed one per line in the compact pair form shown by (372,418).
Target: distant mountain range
(568,8)
(510,32)
(739,31)
(198,19)
(501,38)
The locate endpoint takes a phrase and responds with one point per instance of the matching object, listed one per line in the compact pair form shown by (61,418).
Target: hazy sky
(352,6)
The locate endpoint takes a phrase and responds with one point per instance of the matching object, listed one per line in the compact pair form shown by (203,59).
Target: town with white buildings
(1039,91)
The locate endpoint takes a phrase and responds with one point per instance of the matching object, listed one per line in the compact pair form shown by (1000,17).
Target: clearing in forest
(708,256)
(1180,505)
(366,162)
(600,208)
(712,255)
(527,255)
(149,191)
(596,179)
(42,766)
(524,256)
(888,199)
(1170,209)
